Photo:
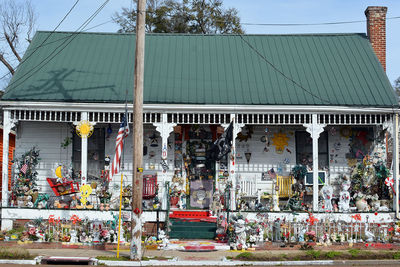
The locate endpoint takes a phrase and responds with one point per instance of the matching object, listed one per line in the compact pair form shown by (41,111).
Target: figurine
(240,230)
(344,197)
(74,238)
(301,234)
(84,238)
(163,237)
(369,236)
(275,201)
(277,230)
(40,235)
(327,193)
(216,206)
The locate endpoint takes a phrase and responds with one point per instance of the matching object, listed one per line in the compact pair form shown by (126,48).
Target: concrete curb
(212,263)
(225,262)
(27,262)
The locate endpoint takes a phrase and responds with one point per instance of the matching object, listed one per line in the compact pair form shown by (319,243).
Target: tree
(17,20)
(186,16)
(396,86)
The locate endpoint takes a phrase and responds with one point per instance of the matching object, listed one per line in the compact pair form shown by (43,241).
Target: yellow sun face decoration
(84,129)
(280,141)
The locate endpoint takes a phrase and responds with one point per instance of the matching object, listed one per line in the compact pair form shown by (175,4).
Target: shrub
(245,256)
(315,254)
(332,254)
(14,253)
(396,255)
(354,252)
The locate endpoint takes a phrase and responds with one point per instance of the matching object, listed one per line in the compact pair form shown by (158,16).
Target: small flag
(24,168)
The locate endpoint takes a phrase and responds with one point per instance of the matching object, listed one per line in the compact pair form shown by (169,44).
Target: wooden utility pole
(137,183)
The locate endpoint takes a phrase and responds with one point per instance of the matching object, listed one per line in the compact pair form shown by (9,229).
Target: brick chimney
(376,30)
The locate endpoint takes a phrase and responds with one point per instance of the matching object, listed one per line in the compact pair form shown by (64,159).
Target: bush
(354,252)
(245,256)
(15,253)
(315,254)
(396,255)
(332,254)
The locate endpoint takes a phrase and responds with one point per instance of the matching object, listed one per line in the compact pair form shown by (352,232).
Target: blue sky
(50,12)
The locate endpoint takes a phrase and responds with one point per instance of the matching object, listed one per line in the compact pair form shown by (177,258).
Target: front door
(201,172)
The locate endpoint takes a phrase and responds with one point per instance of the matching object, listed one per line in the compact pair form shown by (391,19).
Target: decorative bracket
(314,129)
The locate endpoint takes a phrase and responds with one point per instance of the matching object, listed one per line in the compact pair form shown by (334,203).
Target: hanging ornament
(248,156)
(84,129)
(109,130)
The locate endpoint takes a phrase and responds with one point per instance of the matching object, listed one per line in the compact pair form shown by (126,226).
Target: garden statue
(327,193)
(302,232)
(369,236)
(40,235)
(362,204)
(344,196)
(240,231)
(277,230)
(74,238)
(96,236)
(163,237)
(216,205)
(83,237)
(275,201)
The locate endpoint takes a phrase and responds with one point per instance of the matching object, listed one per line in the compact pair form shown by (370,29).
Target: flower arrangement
(310,236)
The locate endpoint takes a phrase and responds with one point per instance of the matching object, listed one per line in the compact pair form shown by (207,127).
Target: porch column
(315,129)
(165,129)
(237,128)
(84,152)
(395,135)
(8,124)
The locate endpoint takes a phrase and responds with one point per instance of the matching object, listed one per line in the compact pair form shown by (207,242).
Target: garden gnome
(327,193)
(344,197)
(240,231)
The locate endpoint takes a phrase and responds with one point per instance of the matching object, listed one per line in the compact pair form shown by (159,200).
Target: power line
(54,53)
(39,46)
(281,72)
(311,24)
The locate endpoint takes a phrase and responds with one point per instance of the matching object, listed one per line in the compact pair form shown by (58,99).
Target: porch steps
(192,225)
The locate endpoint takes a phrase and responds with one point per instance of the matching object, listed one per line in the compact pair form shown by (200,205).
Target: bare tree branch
(17,19)
(10,43)
(5,62)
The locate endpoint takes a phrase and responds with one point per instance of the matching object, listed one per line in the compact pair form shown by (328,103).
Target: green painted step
(192,230)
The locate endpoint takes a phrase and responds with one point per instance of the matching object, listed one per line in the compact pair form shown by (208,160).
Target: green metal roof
(309,69)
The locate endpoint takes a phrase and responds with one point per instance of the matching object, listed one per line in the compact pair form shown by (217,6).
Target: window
(96,147)
(304,149)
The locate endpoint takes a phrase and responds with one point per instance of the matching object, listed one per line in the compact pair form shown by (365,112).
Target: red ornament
(137,211)
(376,213)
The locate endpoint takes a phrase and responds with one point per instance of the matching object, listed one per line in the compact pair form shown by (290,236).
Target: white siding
(47,137)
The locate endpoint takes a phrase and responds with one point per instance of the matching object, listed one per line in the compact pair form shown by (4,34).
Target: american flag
(122,133)
(24,168)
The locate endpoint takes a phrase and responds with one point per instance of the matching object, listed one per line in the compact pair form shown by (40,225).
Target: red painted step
(190,214)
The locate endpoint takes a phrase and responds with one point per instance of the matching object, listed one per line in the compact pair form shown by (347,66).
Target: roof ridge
(196,34)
